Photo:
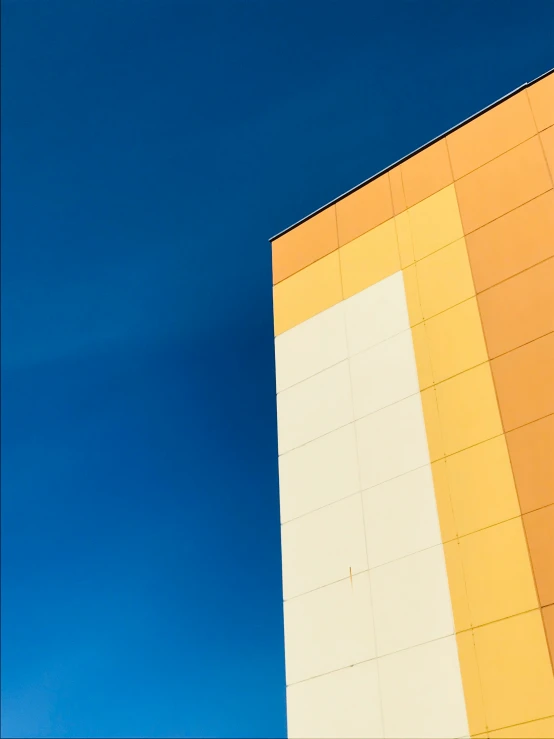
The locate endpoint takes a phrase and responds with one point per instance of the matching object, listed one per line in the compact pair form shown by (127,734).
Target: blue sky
(149,149)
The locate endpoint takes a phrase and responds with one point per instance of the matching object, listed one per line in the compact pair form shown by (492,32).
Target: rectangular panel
(342,705)
(435,223)
(444,279)
(503,184)
(383,374)
(328,629)
(518,687)
(314,407)
(518,240)
(411,601)
(307,293)
(422,692)
(364,209)
(391,442)
(456,341)
(518,310)
(468,410)
(481,486)
(305,244)
(497,572)
(318,473)
(426,173)
(523,381)
(401,517)
(310,347)
(490,135)
(323,547)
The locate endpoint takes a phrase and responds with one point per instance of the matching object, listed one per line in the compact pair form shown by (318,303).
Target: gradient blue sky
(149,149)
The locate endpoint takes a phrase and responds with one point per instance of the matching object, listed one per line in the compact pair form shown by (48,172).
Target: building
(414,343)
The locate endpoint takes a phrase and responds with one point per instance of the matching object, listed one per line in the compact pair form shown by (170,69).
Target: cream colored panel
(421,692)
(323,547)
(318,473)
(383,374)
(391,442)
(411,601)
(401,517)
(314,407)
(377,313)
(342,705)
(328,629)
(310,347)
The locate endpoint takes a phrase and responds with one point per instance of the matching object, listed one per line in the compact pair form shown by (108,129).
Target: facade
(414,344)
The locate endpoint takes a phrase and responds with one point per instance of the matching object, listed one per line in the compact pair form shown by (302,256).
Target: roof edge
(412,153)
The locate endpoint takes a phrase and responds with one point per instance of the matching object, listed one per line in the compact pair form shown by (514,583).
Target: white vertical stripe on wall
(369,636)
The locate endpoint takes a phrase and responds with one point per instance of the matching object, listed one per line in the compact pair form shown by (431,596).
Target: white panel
(421,692)
(318,473)
(401,517)
(321,547)
(377,313)
(384,374)
(314,407)
(342,705)
(411,601)
(310,347)
(392,441)
(328,629)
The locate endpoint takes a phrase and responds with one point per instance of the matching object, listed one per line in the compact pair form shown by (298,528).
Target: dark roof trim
(413,153)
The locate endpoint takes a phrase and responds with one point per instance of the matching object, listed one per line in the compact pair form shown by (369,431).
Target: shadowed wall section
(414,344)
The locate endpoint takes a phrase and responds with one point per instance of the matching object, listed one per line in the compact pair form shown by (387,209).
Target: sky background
(149,150)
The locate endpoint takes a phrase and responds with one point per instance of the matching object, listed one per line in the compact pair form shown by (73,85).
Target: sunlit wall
(414,345)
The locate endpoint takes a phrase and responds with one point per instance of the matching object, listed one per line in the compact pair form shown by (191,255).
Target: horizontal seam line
(374,659)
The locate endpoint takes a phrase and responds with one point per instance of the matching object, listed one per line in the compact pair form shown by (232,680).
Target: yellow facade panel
(481,484)
(306,293)
(405,242)
(468,410)
(472,683)
(435,222)
(498,573)
(515,669)
(369,258)
(456,341)
(444,279)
